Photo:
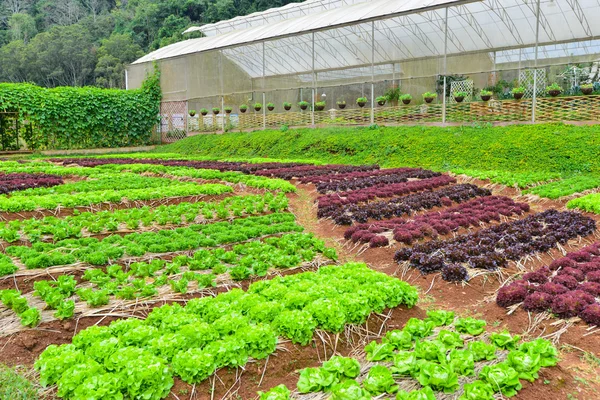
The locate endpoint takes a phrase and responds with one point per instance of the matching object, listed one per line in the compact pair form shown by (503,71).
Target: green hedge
(87,117)
(521,148)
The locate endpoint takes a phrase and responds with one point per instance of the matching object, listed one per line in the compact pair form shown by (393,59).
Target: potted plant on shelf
(554,90)
(361,101)
(216,110)
(381,100)
(270,106)
(518,92)
(406,98)
(485,95)
(429,97)
(228,110)
(303,105)
(257,106)
(320,105)
(192,112)
(341,104)
(243,108)
(203,111)
(287,106)
(587,88)
(460,96)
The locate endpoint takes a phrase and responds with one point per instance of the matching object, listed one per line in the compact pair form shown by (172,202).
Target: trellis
(527,78)
(461,86)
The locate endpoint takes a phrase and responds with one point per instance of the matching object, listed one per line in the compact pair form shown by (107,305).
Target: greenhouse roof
(403,30)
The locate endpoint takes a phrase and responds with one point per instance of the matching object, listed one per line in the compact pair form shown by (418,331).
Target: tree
(65,56)
(22,27)
(16,6)
(15,61)
(63,12)
(113,56)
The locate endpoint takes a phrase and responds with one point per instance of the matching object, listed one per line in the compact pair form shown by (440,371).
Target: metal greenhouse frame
(342,49)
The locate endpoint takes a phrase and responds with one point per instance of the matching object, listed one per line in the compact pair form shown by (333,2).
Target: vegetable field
(161,277)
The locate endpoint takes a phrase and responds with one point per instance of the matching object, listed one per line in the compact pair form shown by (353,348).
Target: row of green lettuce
(455,360)
(135,358)
(144,279)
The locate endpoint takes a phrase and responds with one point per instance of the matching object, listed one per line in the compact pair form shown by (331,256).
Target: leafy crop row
(196,164)
(398,206)
(10,182)
(87,223)
(568,287)
(589,203)
(443,354)
(566,187)
(138,358)
(101,252)
(143,279)
(492,247)
(53,201)
(388,176)
(234,177)
(312,170)
(521,180)
(316,179)
(471,213)
(382,191)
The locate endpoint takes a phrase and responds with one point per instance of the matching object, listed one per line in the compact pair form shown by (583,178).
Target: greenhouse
(359,62)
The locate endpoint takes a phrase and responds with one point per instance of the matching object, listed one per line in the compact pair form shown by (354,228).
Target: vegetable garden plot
(83,224)
(106,188)
(471,213)
(11,182)
(398,206)
(568,287)
(381,191)
(437,356)
(184,274)
(350,176)
(133,356)
(391,177)
(114,247)
(491,248)
(172,171)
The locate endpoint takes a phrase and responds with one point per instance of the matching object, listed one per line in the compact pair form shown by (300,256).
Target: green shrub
(85,117)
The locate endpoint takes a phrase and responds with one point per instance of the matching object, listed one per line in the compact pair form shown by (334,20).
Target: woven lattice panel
(173,120)
(352,116)
(409,114)
(461,86)
(576,108)
(526,80)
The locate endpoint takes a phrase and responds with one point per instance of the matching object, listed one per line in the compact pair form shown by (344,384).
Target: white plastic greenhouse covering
(327,43)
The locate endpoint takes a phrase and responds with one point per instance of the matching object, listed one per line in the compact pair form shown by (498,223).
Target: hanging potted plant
(381,100)
(228,110)
(192,112)
(216,110)
(320,106)
(270,106)
(243,108)
(406,98)
(485,95)
(460,96)
(361,101)
(587,88)
(429,97)
(303,105)
(287,106)
(518,92)
(341,104)
(203,111)
(554,90)
(257,107)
